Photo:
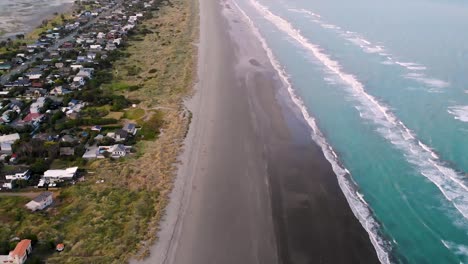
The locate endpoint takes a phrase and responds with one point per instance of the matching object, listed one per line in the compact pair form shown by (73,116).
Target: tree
(39,167)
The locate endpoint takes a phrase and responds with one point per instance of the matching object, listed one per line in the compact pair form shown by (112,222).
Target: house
(34,74)
(36,106)
(86,73)
(19,176)
(5,148)
(110,47)
(21,82)
(95,47)
(57,175)
(67,151)
(79,81)
(7,185)
(35,92)
(130,128)
(19,255)
(91,55)
(34,118)
(120,135)
(117,151)
(59,90)
(76,67)
(7,116)
(6,141)
(96,128)
(68,139)
(40,202)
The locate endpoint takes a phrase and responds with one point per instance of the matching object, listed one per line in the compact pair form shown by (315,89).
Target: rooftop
(20,249)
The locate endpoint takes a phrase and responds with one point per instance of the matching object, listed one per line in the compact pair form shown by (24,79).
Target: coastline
(34,22)
(252,185)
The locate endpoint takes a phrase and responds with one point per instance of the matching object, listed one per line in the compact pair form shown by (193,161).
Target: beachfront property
(52,177)
(25,175)
(19,255)
(60,175)
(100,152)
(41,201)
(9,179)
(130,128)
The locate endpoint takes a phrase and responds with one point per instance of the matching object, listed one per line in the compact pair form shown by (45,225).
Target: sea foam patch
(460,112)
(422,78)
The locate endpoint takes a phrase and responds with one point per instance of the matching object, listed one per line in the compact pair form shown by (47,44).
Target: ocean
(384,88)
(22,16)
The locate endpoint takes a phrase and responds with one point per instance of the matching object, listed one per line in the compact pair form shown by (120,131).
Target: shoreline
(34,23)
(263,171)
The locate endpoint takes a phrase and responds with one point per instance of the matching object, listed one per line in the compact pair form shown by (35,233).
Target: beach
(252,186)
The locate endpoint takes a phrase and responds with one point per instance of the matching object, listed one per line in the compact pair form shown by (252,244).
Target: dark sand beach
(253,187)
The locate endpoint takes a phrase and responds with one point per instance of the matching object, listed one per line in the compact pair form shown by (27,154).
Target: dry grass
(115,115)
(111,221)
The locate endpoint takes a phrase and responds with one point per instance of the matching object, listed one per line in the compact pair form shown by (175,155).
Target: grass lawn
(134,114)
(115,115)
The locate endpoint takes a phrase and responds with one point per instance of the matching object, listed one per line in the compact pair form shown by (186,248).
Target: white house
(117,151)
(10,138)
(33,75)
(95,47)
(40,202)
(7,185)
(80,80)
(55,175)
(36,106)
(85,72)
(19,255)
(76,66)
(6,141)
(19,176)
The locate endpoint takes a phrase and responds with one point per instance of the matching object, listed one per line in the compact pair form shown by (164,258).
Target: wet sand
(22,17)
(253,187)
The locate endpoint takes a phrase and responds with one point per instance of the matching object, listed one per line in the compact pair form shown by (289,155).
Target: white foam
(368,47)
(451,184)
(355,200)
(459,249)
(422,78)
(460,112)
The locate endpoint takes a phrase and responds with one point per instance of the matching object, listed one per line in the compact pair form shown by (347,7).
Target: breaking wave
(354,198)
(460,112)
(368,47)
(448,181)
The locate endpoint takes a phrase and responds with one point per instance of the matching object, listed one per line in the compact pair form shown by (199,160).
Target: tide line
(354,198)
(450,183)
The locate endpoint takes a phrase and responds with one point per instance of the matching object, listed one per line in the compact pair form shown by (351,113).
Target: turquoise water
(387,85)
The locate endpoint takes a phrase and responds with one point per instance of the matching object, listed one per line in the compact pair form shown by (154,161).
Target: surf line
(416,70)
(355,199)
(447,180)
